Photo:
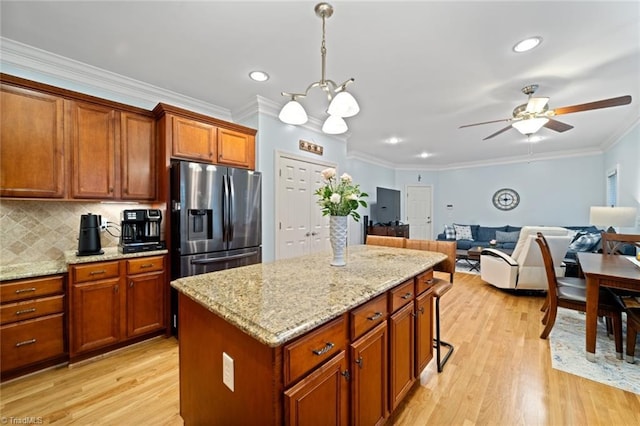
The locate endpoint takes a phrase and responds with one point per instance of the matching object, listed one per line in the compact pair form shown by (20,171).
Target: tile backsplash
(33,231)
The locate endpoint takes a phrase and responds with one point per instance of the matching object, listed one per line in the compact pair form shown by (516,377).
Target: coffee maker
(140,230)
(89,236)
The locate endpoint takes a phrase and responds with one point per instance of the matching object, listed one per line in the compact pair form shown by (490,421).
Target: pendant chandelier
(341,103)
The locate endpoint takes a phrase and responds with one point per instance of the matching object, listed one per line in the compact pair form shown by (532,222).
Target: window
(612,187)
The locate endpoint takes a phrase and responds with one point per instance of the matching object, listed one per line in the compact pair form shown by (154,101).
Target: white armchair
(524,269)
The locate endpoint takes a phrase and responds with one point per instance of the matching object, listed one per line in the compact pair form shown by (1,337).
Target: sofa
(584,238)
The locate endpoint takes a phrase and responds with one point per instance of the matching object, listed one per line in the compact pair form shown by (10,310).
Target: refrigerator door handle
(231,201)
(223,259)
(225,209)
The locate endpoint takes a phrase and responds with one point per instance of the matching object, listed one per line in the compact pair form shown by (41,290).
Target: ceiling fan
(530,117)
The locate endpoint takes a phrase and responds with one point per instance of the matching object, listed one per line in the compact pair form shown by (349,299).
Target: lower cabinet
(424,330)
(322,398)
(369,375)
(111,302)
(401,354)
(32,324)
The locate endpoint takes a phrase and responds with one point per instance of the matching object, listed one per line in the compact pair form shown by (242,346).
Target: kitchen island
(253,338)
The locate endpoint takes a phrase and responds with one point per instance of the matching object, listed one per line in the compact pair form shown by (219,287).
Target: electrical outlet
(227,371)
(103,224)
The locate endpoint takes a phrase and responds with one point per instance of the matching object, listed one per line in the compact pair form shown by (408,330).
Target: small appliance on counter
(140,231)
(89,237)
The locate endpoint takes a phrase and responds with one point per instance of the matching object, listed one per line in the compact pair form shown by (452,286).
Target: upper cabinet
(55,143)
(32,144)
(192,136)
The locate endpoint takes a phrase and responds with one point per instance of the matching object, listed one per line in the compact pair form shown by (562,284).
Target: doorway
(419,211)
(300,226)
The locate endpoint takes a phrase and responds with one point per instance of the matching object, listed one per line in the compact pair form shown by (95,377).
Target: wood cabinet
(424,330)
(32,324)
(55,143)
(115,301)
(369,377)
(401,354)
(192,136)
(93,144)
(32,145)
(138,157)
(389,231)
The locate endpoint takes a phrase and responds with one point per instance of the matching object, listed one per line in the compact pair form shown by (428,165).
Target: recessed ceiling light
(393,140)
(259,76)
(534,138)
(424,155)
(527,44)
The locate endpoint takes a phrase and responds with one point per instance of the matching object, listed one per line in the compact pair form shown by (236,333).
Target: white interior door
(300,226)
(419,210)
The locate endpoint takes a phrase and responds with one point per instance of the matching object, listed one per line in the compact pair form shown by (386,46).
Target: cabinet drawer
(367,316)
(314,348)
(30,341)
(145,264)
(424,281)
(96,271)
(28,289)
(401,295)
(27,309)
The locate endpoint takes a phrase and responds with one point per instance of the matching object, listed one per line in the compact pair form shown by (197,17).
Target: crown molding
(39,65)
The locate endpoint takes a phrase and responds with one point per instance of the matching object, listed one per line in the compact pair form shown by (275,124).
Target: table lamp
(613,216)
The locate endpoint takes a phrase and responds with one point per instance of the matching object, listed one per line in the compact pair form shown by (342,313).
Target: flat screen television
(387,206)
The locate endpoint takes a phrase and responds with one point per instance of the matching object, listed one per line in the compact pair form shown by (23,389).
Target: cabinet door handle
(430,281)
(25,311)
(26,342)
(360,362)
(421,310)
(375,316)
(25,290)
(102,271)
(115,288)
(324,350)
(131,284)
(407,296)
(346,374)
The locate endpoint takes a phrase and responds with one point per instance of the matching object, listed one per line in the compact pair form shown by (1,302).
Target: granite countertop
(276,302)
(53,267)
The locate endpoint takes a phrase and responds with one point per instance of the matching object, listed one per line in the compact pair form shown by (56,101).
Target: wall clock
(506,199)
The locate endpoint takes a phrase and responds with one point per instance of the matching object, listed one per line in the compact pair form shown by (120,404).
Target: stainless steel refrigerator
(216,219)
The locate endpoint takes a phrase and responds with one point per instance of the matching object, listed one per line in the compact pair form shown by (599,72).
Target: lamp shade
(529,126)
(613,216)
(343,105)
(293,113)
(334,125)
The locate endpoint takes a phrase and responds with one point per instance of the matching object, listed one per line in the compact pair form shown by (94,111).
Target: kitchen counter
(53,267)
(276,302)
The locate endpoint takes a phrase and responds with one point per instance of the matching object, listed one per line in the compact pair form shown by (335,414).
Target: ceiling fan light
(529,126)
(536,105)
(293,113)
(334,125)
(343,105)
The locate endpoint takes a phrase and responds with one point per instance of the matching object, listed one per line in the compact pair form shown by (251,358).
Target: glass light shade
(613,216)
(529,126)
(343,105)
(334,125)
(536,104)
(293,113)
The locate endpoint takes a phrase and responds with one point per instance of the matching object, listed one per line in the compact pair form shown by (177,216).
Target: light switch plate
(227,371)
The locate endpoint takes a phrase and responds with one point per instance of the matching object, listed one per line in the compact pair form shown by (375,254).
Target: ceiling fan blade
(498,132)
(485,122)
(604,103)
(536,105)
(558,126)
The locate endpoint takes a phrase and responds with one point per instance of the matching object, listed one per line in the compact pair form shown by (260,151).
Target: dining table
(603,270)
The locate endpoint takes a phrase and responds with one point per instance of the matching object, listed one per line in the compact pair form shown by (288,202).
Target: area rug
(567,342)
(465,268)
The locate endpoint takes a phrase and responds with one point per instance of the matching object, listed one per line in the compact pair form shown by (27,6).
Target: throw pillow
(463,232)
(585,242)
(449,232)
(507,237)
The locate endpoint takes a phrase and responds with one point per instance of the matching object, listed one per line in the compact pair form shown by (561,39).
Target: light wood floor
(500,374)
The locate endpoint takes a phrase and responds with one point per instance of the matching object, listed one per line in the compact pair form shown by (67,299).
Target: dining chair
(633,327)
(613,243)
(575,298)
(562,281)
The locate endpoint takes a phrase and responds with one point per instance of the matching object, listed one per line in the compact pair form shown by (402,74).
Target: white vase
(338,238)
